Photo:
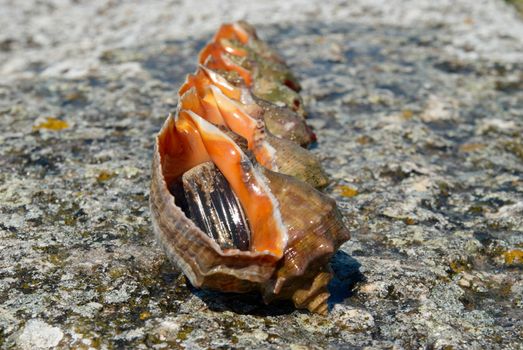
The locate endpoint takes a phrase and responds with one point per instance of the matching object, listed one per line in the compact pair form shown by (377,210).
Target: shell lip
(245,95)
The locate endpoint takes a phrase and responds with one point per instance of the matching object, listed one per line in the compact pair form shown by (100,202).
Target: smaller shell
(286,124)
(284,156)
(281,95)
(238,54)
(295,161)
(280,121)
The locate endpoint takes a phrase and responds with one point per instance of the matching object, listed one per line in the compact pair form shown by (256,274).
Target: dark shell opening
(206,197)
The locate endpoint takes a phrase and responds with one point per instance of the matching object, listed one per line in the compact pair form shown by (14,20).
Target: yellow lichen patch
(458,266)
(116,272)
(145,315)
(363,140)
(471,147)
(105,175)
(55,259)
(52,123)
(409,221)
(183,334)
(347,191)
(407,114)
(514,256)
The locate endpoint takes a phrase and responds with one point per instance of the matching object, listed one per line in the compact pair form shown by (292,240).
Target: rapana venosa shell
(236,207)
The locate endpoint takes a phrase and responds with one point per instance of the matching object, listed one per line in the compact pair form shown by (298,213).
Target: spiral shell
(234,200)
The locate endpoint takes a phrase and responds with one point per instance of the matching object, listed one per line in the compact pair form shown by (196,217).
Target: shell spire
(234,193)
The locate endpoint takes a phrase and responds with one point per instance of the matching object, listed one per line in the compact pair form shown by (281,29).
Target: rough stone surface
(418,108)
(39,335)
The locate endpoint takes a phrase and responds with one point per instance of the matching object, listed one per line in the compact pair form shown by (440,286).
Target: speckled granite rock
(418,108)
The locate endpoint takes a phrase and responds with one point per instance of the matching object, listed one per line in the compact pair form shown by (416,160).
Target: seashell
(290,159)
(244,59)
(234,206)
(199,94)
(284,123)
(280,121)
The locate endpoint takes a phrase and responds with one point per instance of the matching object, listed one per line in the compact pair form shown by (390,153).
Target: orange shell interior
(193,136)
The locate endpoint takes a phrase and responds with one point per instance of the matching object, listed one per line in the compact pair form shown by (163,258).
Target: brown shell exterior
(316,231)
(296,161)
(277,121)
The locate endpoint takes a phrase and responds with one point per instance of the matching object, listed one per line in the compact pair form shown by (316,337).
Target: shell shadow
(346,275)
(243,304)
